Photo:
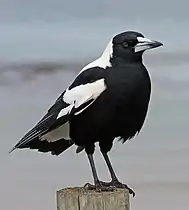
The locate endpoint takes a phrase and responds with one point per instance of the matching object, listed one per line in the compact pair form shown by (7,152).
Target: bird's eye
(125,44)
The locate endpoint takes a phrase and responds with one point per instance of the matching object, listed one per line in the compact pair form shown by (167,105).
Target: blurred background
(43,45)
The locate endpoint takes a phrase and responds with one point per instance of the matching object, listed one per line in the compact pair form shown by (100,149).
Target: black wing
(52,120)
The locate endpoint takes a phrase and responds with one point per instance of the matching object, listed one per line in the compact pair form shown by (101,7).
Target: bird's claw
(108,186)
(117,184)
(98,187)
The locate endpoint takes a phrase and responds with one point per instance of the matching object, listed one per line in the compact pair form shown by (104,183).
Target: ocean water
(39,58)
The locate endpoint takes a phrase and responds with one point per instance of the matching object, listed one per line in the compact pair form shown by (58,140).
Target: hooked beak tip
(156,44)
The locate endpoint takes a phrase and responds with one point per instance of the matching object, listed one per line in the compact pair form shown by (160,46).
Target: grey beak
(146,44)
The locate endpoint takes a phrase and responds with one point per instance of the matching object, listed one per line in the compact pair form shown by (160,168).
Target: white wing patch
(81,94)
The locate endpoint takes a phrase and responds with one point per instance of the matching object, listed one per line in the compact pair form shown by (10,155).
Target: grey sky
(44,27)
(14,10)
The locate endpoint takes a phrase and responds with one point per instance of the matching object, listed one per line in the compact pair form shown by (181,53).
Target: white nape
(104,60)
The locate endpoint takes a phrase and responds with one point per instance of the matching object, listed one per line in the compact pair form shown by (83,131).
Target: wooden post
(80,199)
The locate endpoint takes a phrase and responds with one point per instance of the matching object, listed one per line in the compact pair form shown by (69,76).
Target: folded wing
(47,135)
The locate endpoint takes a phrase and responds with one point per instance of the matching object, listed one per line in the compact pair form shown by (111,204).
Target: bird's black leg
(97,184)
(115,182)
(95,176)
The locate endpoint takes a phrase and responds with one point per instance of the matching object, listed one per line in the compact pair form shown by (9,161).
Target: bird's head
(130,45)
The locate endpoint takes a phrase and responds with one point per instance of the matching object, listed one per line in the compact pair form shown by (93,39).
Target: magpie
(107,100)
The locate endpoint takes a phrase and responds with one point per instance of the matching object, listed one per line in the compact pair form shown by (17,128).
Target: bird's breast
(128,80)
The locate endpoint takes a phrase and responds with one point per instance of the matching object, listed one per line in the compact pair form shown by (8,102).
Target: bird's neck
(130,59)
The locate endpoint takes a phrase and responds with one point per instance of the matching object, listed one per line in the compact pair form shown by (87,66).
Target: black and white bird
(108,99)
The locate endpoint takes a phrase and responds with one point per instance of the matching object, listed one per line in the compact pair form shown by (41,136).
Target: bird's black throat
(127,57)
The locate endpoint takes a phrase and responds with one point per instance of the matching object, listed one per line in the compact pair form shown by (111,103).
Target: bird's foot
(99,187)
(117,184)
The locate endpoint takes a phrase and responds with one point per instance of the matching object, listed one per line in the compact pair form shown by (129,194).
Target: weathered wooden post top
(81,199)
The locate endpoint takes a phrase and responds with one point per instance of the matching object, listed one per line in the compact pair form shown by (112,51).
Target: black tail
(55,148)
